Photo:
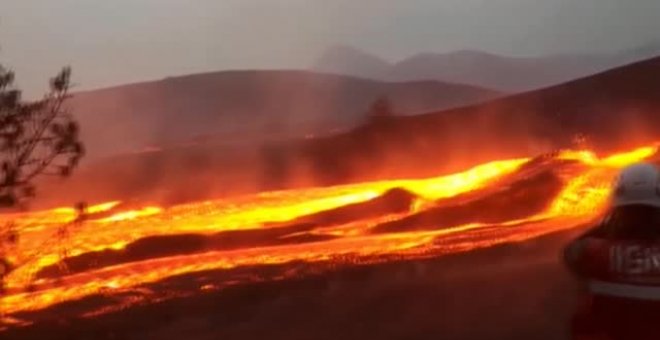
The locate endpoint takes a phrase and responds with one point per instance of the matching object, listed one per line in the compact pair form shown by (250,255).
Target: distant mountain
(615,109)
(246,106)
(507,74)
(647,51)
(348,60)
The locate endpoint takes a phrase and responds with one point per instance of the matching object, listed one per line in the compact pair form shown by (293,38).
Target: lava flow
(114,249)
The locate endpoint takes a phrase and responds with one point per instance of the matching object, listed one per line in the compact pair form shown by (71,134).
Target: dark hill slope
(245,106)
(615,109)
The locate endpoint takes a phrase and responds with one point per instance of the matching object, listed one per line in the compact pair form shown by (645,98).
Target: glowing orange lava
(583,196)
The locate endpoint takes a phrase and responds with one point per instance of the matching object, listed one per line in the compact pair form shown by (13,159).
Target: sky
(121,41)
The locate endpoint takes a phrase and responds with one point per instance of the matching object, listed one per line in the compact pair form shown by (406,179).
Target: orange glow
(103,207)
(94,209)
(132,214)
(617,160)
(584,195)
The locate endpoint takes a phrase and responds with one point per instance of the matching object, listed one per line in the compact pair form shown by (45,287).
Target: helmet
(638,184)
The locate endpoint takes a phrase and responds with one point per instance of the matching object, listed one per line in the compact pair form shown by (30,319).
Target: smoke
(232,133)
(216,134)
(402,148)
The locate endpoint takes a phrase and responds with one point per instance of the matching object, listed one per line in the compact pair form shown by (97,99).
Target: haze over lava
(121,251)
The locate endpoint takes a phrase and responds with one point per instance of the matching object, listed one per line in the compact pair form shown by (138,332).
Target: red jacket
(622,276)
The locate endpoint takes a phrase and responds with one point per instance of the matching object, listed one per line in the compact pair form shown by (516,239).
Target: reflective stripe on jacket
(628,291)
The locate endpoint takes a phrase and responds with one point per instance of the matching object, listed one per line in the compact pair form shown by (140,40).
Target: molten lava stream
(582,197)
(118,230)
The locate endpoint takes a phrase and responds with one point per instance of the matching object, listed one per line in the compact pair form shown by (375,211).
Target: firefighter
(619,262)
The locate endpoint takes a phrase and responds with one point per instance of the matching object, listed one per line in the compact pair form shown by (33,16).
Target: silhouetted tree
(36,138)
(380,110)
(275,166)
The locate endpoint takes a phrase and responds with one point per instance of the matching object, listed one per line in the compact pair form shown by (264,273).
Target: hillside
(508,74)
(241,106)
(614,109)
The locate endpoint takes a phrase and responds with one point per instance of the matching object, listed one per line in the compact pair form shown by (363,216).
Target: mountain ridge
(246,105)
(485,69)
(613,109)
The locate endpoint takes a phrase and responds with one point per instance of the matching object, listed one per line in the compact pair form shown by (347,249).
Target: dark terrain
(246,107)
(613,110)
